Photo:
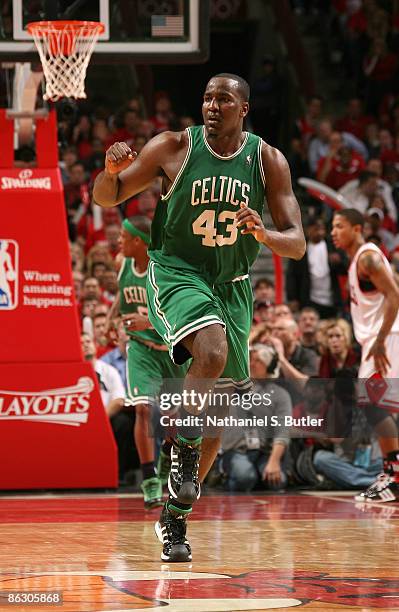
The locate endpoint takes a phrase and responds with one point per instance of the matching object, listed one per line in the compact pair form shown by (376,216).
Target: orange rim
(49,26)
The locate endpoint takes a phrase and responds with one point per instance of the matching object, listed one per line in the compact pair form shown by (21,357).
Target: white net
(65,49)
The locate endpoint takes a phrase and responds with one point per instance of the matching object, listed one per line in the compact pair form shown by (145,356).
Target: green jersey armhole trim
(138,274)
(260,162)
(212,152)
(122,268)
(184,164)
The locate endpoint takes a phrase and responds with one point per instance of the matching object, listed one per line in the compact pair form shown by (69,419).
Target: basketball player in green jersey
(148,362)
(206,234)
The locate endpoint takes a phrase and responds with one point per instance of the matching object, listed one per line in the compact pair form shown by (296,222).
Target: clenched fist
(254,224)
(118,157)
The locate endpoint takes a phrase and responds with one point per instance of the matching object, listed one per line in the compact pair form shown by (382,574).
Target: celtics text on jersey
(133,298)
(195,226)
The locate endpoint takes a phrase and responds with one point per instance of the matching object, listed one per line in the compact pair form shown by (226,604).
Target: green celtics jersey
(195,226)
(133,297)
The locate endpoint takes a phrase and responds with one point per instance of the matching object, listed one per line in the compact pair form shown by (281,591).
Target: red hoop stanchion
(65,49)
(54,431)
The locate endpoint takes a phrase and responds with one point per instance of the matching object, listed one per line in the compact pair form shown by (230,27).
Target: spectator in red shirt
(126,133)
(355,121)
(320,145)
(348,165)
(341,164)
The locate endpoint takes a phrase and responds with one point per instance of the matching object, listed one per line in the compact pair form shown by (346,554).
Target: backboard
(139,31)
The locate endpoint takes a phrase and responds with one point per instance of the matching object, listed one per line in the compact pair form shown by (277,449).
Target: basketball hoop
(65,49)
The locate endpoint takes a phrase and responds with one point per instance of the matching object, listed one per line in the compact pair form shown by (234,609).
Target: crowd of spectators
(357,152)
(308,338)
(354,153)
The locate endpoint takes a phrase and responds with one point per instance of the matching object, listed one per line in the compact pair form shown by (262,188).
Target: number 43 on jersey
(204,226)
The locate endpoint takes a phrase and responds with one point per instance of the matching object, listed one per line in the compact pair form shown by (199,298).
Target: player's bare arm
(289,239)
(126,174)
(371,267)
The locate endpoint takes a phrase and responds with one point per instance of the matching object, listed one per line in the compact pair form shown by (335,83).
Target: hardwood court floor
(317,552)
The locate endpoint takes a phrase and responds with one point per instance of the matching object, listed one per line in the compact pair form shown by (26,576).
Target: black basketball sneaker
(183,483)
(171,532)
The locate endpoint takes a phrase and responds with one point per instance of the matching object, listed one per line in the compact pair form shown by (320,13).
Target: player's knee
(213,360)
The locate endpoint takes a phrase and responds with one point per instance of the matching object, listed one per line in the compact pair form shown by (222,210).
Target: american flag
(167,25)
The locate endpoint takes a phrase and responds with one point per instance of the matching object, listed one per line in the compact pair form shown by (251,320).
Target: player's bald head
(236,83)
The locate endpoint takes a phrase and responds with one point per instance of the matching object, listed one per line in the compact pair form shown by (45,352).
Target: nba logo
(8,274)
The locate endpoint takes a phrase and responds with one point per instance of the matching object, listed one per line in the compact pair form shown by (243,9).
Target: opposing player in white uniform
(374,299)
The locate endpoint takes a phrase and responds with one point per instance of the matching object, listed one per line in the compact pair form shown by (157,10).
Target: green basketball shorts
(181,302)
(147,370)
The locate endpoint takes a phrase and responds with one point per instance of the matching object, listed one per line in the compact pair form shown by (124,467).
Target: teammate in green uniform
(206,235)
(148,362)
